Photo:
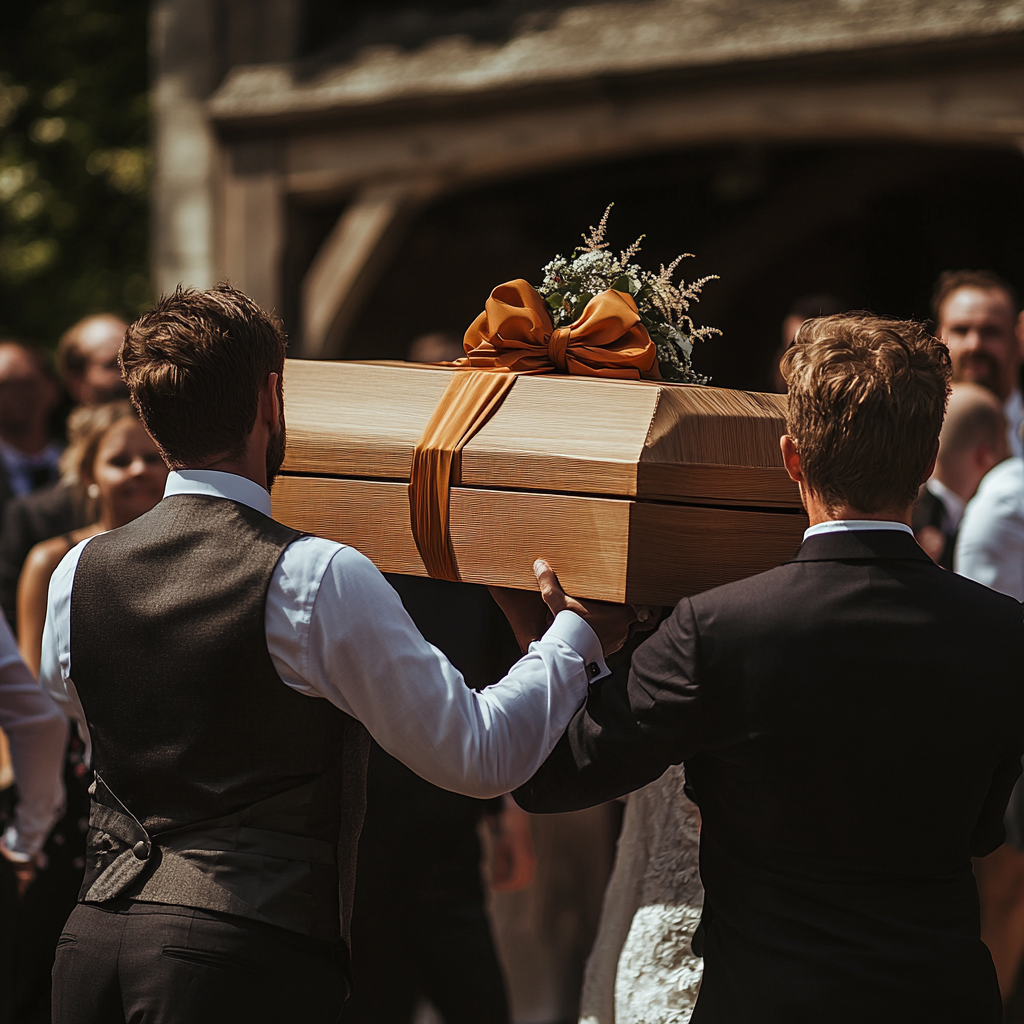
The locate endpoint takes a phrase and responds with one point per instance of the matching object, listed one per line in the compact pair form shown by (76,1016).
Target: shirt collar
(951,502)
(852,525)
(218,485)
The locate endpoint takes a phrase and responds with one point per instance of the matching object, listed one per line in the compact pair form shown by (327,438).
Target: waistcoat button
(141,849)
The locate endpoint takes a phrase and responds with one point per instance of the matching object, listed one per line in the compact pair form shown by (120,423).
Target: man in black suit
(851,722)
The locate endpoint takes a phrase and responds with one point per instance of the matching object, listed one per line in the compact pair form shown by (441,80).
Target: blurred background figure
(28,395)
(973,440)
(87,362)
(112,464)
(804,308)
(436,347)
(975,314)
(990,549)
(87,359)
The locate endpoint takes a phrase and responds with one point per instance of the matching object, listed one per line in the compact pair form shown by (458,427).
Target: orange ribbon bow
(513,335)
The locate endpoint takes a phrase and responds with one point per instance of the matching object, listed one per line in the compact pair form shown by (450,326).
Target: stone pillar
(183,56)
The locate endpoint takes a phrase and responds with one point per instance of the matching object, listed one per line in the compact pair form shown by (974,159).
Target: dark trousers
(155,964)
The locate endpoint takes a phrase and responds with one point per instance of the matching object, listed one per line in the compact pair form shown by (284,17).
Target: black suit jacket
(852,724)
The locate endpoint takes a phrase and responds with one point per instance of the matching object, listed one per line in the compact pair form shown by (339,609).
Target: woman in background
(115,465)
(115,462)
(642,969)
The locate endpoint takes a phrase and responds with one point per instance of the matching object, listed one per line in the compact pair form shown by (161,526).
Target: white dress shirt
(853,525)
(990,547)
(38,736)
(337,630)
(1013,409)
(952,504)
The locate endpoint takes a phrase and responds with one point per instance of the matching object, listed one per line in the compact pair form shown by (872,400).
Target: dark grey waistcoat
(217,786)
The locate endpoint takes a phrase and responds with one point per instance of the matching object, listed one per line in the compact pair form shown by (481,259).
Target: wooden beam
(348,262)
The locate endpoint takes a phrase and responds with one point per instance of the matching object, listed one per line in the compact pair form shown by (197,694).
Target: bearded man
(228,671)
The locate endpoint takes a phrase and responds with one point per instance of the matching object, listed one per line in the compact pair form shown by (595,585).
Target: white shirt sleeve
(990,545)
(37,733)
(336,629)
(55,660)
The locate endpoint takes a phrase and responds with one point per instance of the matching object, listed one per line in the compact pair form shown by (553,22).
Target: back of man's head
(974,417)
(866,400)
(194,365)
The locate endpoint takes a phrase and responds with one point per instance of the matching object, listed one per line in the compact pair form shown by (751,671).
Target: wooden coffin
(633,491)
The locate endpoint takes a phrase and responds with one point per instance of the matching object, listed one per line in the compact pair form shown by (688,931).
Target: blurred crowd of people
(431,927)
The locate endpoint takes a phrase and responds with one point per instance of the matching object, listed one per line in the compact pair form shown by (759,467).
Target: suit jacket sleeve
(634,724)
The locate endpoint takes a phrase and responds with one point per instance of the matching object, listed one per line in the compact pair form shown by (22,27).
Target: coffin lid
(580,435)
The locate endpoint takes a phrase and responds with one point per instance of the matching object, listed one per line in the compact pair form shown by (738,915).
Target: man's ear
(791,458)
(270,402)
(931,465)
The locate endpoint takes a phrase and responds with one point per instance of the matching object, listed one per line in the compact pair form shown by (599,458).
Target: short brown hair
(194,365)
(984,280)
(866,401)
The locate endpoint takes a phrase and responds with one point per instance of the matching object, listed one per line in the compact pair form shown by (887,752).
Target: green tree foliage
(74,163)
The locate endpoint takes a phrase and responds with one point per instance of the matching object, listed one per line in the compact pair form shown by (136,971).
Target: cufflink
(593,669)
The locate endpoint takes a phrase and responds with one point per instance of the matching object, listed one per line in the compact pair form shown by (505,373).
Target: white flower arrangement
(664,307)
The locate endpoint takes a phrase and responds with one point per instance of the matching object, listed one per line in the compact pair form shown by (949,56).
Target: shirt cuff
(571,629)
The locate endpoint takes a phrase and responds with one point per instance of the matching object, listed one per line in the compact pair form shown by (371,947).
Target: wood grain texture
(677,550)
(576,435)
(718,485)
(601,548)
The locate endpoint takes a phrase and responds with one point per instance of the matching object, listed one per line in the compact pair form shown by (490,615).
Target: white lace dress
(642,969)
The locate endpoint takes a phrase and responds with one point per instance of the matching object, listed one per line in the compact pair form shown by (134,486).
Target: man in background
(804,308)
(973,440)
(975,313)
(28,395)
(87,362)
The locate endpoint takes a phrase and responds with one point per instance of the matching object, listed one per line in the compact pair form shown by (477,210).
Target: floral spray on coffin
(663,305)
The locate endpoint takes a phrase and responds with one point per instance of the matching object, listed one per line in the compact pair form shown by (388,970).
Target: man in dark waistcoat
(193,644)
(851,722)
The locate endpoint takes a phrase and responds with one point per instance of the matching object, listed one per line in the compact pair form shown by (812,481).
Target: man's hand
(611,622)
(527,614)
(513,861)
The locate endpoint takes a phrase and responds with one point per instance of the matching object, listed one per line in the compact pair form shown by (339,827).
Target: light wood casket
(634,491)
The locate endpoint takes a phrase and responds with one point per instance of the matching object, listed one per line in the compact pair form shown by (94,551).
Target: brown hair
(984,280)
(866,401)
(194,365)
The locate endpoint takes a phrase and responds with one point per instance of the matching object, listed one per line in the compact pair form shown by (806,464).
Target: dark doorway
(872,224)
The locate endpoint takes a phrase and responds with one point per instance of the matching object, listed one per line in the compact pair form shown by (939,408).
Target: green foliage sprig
(664,306)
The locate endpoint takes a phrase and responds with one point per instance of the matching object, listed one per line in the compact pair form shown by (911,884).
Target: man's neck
(819,512)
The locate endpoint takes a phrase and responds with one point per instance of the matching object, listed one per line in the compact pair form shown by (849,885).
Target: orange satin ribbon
(513,335)
(466,405)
